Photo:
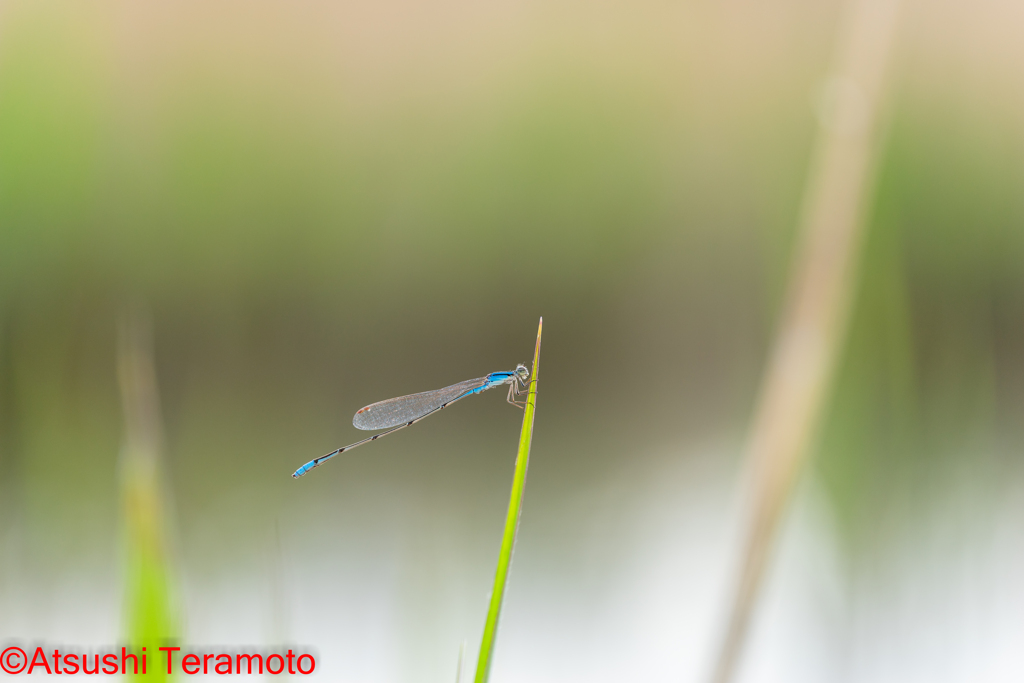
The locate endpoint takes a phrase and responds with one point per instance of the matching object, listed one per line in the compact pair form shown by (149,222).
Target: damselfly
(398,413)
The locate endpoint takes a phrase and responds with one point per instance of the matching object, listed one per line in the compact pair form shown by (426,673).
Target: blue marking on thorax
(495,379)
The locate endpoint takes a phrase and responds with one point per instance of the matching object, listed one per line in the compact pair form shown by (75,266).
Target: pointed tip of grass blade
(515,505)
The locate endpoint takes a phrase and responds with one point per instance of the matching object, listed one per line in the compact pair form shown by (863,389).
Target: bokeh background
(321,205)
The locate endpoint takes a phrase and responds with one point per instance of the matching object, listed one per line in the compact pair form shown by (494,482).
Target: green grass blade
(508,540)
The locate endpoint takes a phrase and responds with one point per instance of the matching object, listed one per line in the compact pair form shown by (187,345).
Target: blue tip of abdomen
(302,470)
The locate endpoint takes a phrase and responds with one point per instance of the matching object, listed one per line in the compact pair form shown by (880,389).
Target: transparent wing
(395,411)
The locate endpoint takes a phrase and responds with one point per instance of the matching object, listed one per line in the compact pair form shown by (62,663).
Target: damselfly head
(522,372)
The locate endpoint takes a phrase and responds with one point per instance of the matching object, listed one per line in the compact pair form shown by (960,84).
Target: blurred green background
(323,205)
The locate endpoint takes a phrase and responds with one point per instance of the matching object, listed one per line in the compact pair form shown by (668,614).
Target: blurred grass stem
(508,541)
(811,332)
(458,667)
(147,594)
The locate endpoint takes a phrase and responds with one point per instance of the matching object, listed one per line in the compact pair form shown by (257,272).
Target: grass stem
(508,540)
(147,592)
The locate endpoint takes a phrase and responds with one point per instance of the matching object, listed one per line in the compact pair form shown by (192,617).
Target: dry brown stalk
(813,325)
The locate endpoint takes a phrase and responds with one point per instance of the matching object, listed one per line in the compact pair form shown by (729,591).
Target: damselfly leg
(517,387)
